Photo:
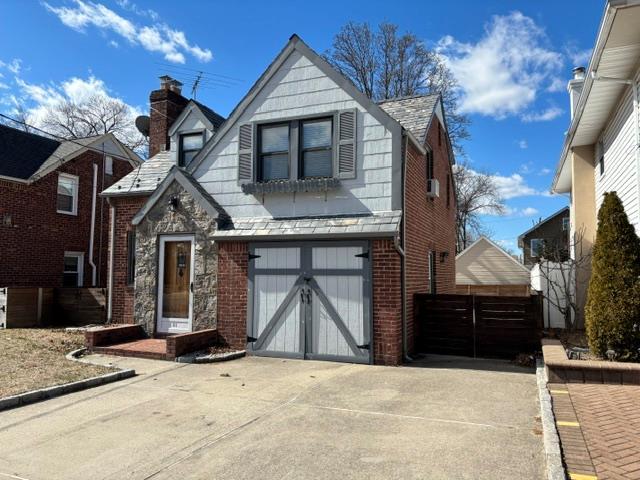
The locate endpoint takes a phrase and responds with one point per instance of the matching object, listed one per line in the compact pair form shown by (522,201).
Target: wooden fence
(477,326)
(24,307)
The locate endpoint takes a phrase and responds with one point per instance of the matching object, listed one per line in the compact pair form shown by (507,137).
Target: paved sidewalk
(599,427)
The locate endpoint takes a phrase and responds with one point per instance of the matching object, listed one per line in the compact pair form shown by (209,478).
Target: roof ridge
(408,97)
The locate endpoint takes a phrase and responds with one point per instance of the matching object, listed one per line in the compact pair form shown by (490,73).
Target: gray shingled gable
(212,116)
(413,113)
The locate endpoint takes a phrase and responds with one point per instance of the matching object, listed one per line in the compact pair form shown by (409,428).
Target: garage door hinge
(366,346)
(252,256)
(363,254)
(251,339)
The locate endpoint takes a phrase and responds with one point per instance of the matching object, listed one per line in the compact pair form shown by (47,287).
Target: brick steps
(150,348)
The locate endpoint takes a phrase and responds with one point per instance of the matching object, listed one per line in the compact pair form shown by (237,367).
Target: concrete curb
(552,452)
(57,390)
(214,358)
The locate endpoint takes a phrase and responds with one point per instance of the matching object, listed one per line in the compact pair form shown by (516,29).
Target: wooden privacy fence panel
(477,326)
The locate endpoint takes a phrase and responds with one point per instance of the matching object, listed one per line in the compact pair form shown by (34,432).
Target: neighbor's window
(566,223)
(537,246)
(72,271)
(273,152)
(448,190)
(67,200)
(316,152)
(131,256)
(190,145)
(108,165)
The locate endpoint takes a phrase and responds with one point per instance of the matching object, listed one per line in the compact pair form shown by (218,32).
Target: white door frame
(159,318)
(80,257)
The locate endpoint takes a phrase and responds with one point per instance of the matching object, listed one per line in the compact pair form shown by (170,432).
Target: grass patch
(35,358)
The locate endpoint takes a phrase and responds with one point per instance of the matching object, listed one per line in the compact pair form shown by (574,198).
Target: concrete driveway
(265,418)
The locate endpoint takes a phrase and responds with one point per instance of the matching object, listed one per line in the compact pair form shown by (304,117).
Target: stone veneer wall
(190,218)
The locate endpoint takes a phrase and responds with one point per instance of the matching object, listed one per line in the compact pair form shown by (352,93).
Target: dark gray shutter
(346,158)
(245,153)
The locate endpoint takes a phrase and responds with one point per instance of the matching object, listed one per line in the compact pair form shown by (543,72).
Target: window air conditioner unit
(433,188)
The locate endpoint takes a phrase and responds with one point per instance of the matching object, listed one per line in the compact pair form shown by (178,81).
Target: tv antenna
(196,83)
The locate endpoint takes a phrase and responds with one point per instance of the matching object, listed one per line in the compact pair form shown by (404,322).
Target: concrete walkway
(270,418)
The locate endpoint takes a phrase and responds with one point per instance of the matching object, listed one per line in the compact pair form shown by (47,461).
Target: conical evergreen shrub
(612,313)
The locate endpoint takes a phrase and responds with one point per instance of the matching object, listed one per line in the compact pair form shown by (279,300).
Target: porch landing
(152,348)
(131,341)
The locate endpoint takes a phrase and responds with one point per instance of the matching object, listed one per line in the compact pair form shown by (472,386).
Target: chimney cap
(579,72)
(170,83)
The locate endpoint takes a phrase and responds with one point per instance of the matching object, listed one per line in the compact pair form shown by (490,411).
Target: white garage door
(310,300)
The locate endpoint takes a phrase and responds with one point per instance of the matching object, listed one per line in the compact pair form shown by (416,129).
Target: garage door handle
(302,295)
(366,346)
(309,296)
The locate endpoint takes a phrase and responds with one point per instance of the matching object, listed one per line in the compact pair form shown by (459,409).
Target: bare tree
(20,117)
(476,194)
(562,277)
(384,64)
(96,115)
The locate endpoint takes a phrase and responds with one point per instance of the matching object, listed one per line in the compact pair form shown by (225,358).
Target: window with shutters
(305,154)
(429,164)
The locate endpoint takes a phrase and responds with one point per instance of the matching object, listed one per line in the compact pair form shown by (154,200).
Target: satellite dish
(142,124)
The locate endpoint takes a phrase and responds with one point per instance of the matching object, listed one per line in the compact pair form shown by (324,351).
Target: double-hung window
(273,152)
(73,267)
(537,247)
(316,148)
(67,198)
(190,145)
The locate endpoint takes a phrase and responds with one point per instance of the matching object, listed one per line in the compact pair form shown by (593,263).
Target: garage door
(310,300)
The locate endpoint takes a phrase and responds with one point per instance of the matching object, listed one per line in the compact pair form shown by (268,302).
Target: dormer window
(190,145)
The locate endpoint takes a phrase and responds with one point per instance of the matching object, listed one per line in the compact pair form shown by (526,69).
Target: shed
(484,268)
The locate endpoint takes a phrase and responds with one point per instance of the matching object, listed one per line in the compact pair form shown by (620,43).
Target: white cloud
(513,186)
(14,66)
(546,115)
(557,85)
(37,99)
(545,171)
(114,44)
(523,144)
(529,212)
(577,56)
(159,37)
(501,74)
(132,7)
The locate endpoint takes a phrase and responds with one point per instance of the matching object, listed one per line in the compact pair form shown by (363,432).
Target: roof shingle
(413,113)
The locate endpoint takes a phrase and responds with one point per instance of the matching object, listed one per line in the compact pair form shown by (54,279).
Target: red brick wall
(232,293)
(122,303)
(430,224)
(387,303)
(33,245)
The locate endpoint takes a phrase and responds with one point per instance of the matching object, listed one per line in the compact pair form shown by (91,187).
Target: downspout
(112,238)
(93,224)
(635,85)
(400,249)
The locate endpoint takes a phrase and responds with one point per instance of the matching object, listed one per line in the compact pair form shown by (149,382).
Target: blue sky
(512,59)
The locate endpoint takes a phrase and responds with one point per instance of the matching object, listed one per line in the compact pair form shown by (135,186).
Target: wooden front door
(175,284)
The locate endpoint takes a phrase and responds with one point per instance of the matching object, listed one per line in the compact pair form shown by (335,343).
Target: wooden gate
(477,326)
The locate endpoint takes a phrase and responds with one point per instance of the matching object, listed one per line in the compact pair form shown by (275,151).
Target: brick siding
(34,241)
(387,303)
(430,225)
(232,293)
(122,303)
(166,106)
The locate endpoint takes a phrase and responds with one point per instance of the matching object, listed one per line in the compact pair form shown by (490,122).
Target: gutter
(400,249)
(112,238)
(93,224)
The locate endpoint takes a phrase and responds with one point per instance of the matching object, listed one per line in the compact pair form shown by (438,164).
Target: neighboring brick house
(49,206)
(549,238)
(299,227)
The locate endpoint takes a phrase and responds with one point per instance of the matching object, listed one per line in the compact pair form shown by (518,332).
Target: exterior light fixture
(443,256)
(173,203)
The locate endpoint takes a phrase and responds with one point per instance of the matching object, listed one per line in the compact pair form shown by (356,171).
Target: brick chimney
(166,105)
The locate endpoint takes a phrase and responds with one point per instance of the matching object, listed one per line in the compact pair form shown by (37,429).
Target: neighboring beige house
(484,268)
(601,148)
